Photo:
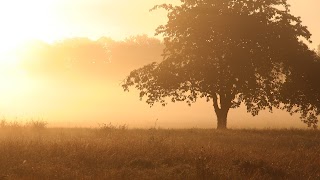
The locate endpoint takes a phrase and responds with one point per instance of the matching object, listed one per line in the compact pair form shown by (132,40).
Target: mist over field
(77,83)
(72,75)
(170,89)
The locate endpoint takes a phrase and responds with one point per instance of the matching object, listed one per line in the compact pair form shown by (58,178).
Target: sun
(22,21)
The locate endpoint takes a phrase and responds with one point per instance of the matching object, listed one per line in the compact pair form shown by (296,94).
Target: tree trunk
(222,119)
(222,112)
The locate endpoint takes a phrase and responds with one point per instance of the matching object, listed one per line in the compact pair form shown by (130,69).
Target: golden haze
(80,100)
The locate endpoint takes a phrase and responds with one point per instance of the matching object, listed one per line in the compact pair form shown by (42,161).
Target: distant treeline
(105,57)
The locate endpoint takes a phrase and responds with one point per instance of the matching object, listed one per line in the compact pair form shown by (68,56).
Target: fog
(90,103)
(76,82)
(66,86)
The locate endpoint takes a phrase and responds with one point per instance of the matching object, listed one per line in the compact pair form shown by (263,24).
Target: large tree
(231,52)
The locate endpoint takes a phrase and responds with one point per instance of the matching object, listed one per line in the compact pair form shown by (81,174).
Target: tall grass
(31,124)
(112,152)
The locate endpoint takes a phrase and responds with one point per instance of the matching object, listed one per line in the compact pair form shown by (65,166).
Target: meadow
(33,151)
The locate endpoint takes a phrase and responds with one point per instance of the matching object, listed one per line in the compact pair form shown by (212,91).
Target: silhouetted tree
(318,50)
(300,93)
(231,52)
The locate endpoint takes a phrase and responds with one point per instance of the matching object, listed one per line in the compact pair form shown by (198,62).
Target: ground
(111,152)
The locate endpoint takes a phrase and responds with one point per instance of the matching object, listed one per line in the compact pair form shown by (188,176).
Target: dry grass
(118,153)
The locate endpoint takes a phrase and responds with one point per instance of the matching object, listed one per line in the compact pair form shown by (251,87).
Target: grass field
(111,152)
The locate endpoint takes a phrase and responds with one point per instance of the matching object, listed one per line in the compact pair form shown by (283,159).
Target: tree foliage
(233,52)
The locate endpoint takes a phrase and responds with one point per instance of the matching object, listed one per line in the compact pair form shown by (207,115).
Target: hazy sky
(56,19)
(52,20)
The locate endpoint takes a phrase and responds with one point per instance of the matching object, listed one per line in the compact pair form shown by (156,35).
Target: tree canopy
(233,52)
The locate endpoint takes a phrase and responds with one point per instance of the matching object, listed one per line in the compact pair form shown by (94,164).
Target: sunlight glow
(24,20)
(21,21)
(75,96)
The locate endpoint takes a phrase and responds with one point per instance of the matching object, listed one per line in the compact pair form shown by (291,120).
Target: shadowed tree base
(222,124)
(222,121)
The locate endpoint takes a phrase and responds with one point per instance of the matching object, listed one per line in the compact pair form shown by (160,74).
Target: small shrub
(33,124)
(123,127)
(37,124)
(10,125)
(110,127)
(3,123)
